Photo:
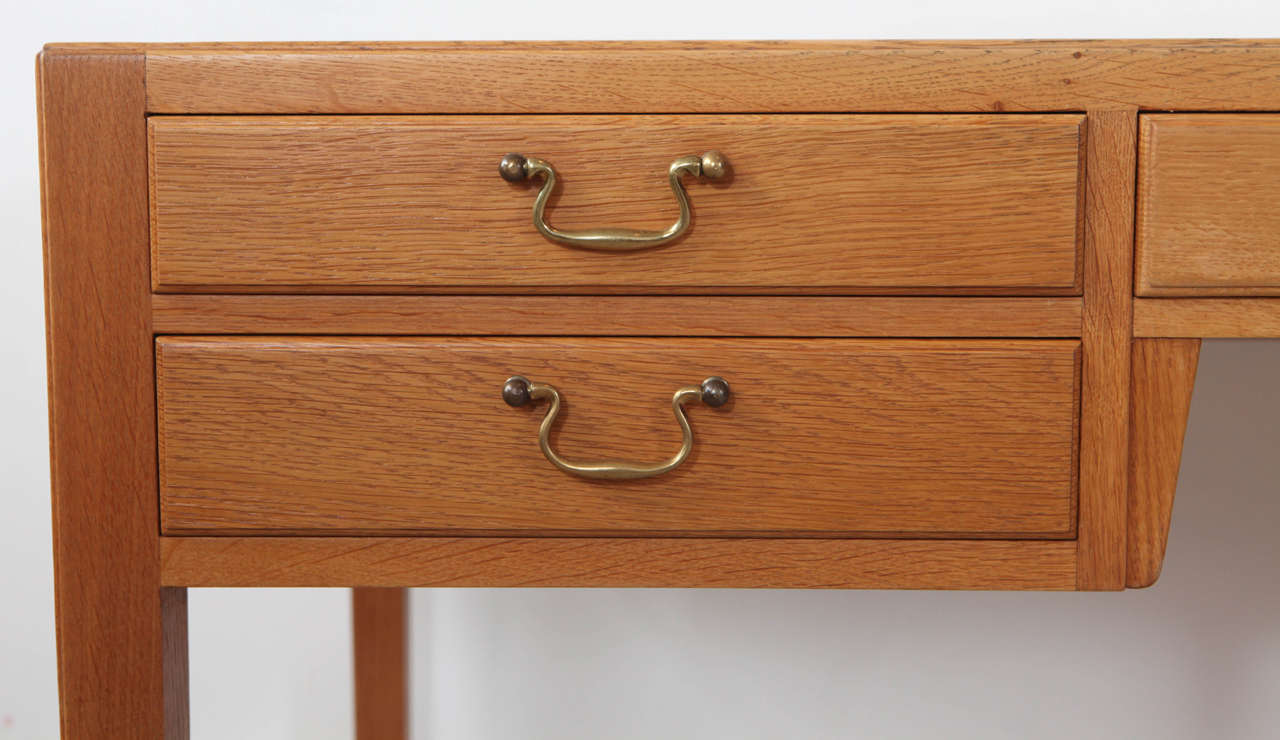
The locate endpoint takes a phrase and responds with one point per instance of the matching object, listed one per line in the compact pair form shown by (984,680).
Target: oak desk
(930,313)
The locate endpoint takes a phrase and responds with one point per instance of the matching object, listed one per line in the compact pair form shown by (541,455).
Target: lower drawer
(852,437)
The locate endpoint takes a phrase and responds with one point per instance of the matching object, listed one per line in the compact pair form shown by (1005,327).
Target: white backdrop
(1198,656)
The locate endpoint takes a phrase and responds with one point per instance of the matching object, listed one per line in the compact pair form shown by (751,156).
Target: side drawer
(853,437)
(813,203)
(1208,220)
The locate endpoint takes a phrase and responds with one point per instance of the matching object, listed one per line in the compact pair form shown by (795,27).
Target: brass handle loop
(519,391)
(517,167)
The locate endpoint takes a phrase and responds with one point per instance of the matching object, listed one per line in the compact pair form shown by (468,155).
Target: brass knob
(714,165)
(516,391)
(512,168)
(715,391)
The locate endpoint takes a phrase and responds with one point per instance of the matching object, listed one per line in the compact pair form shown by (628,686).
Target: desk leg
(121,637)
(379,627)
(176,674)
(1164,372)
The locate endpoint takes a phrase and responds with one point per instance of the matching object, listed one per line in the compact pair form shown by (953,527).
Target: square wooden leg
(379,622)
(122,648)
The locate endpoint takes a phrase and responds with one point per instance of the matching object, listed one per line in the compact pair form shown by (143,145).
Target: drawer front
(835,203)
(847,437)
(1208,221)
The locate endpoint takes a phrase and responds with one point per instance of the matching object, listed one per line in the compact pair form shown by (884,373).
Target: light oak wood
(378,435)
(844,462)
(1164,372)
(618,563)
(379,626)
(121,642)
(1207,217)
(842,204)
(714,77)
(764,316)
(1107,329)
(1248,318)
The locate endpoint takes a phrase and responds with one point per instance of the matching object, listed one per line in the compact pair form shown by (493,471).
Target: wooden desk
(956,291)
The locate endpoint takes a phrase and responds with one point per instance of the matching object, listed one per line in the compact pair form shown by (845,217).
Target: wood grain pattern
(1247,318)
(1207,217)
(1106,334)
(377,435)
(714,77)
(121,644)
(1164,372)
(762,316)
(842,204)
(618,563)
(380,632)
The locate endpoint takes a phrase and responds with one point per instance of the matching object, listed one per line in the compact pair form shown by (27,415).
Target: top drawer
(965,204)
(1208,224)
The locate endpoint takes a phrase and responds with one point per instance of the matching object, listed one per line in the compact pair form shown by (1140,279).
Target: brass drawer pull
(519,391)
(517,167)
